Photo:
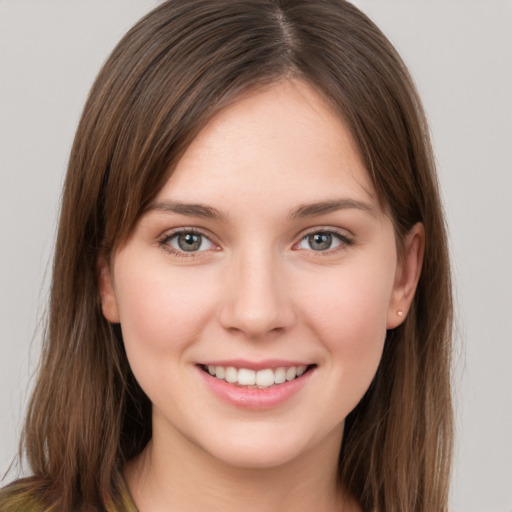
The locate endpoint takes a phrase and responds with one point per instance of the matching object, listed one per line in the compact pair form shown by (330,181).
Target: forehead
(283,143)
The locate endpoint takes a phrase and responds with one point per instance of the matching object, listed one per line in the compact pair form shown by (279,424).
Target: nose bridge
(257,302)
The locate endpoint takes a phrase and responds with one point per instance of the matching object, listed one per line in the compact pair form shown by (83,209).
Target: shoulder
(21,496)
(29,495)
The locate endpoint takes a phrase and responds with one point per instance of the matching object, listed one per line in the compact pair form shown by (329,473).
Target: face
(255,293)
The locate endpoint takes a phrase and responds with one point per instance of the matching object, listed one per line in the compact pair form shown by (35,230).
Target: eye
(323,241)
(188,242)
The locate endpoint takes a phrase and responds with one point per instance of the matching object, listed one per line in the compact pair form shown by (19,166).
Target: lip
(255,365)
(252,398)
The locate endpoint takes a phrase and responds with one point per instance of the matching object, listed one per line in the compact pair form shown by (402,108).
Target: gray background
(460,54)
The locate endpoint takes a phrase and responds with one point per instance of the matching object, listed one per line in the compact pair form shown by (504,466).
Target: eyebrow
(322,207)
(189,209)
(302,211)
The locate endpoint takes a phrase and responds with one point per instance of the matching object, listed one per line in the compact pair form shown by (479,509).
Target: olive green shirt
(19,497)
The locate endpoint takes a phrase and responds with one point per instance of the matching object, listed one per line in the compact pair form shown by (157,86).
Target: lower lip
(253,398)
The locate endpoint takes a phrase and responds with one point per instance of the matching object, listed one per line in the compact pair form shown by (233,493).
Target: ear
(407,276)
(107,292)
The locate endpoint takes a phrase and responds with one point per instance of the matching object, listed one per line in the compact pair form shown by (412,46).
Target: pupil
(189,242)
(320,241)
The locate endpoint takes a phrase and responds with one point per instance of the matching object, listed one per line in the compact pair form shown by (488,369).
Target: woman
(251,289)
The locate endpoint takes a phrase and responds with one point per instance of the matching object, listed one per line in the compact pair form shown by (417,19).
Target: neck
(183,476)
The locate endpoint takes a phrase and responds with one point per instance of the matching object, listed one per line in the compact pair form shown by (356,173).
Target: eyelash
(343,239)
(165,241)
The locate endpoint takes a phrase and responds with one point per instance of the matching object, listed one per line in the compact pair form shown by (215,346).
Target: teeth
(291,373)
(231,375)
(301,370)
(220,372)
(258,379)
(265,378)
(246,377)
(280,376)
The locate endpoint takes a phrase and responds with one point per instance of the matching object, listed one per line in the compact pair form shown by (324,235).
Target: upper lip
(256,365)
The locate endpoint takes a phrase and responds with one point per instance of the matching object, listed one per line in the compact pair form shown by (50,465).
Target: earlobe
(107,293)
(407,276)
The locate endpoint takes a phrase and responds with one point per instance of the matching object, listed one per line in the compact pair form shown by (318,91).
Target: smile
(257,379)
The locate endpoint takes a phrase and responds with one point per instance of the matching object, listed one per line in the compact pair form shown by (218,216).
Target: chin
(267,450)
(256,456)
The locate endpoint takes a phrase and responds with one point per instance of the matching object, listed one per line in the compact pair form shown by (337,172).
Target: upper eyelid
(342,233)
(169,233)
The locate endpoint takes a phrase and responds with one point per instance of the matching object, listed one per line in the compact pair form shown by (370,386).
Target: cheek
(352,300)
(348,316)
(161,311)
(162,315)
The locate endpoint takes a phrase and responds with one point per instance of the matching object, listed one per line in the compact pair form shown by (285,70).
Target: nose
(257,302)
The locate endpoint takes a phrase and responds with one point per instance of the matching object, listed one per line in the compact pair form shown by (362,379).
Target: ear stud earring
(400,313)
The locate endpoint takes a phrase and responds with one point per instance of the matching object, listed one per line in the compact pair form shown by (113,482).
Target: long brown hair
(163,82)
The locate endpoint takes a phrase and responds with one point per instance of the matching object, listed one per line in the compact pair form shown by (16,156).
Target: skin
(258,289)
